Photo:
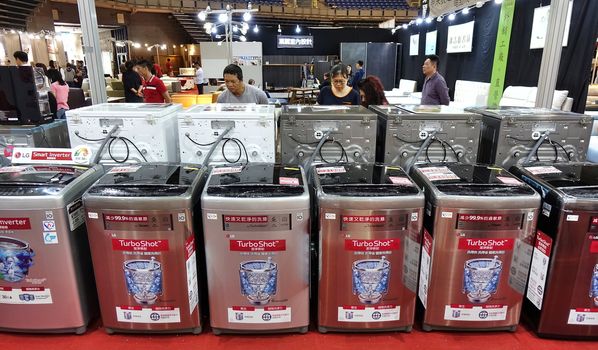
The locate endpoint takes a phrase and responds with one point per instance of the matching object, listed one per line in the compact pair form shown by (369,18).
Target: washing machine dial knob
(198,153)
(516,154)
(356,154)
(404,154)
(300,154)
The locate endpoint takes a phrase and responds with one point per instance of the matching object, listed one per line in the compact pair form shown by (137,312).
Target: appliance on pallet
(141,132)
(51,135)
(250,137)
(370,220)
(25,96)
(347,133)
(46,276)
(515,135)
(562,292)
(479,227)
(256,230)
(142,237)
(410,134)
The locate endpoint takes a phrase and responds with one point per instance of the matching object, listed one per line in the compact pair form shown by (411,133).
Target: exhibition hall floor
(96,338)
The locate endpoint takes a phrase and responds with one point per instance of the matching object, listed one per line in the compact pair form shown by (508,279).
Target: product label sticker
(49,225)
(540,170)
(446,215)
(212,216)
(191,265)
(92,215)
(471,312)
(156,314)
(411,260)
(25,295)
(251,314)
(78,155)
(331,170)
(546,208)
(425,268)
(227,170)
(359,313)
(372,245)
(414,216)
(400,180)
(439,173)
(520,265)
(357,219)
(508,180)
(293,181)
(50,238)
(539,269)
(330,216)
(124,169)
(581,316)
(76,214)
(15,224)
(572,217)
(15,169)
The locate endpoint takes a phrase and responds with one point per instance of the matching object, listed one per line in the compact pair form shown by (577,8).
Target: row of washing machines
(160,244)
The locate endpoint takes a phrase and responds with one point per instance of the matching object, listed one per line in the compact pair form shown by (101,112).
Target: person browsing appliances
(153,90)
(237,91)
(435,91)
(339,93)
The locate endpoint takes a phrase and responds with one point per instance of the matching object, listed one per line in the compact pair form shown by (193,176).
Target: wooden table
(303,95)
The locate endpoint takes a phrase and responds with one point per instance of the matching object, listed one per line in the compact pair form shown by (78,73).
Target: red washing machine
(478,232)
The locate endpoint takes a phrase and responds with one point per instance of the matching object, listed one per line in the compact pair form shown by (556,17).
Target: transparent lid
(426,109)
(38,180)
(326,110)
(230,108)
(574,179)
(519,111)
(122,110)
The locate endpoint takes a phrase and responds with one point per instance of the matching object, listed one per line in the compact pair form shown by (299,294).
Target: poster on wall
(247,60)
(442,7)
(540,26)
(460,38)
(414,45)
(295,42)
(431,42)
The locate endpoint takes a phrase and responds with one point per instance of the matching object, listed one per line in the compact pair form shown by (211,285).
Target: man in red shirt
(158,70)
(153,89)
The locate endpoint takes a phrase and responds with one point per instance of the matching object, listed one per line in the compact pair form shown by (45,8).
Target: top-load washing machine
(250,137)
(256,231)
(370,220)
(50,135)
(143,233)
(479,226)
(345,133)
(562,292)
(141,132)
(409,134)
(516,135)
(46,277)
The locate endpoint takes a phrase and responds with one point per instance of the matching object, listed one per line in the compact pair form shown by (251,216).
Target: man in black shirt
(132,83)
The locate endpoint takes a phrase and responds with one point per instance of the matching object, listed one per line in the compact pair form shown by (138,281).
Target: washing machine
(256,230)
(50,135)
(350,133)
(562,293)
(251,137)
(479,225)
(370,220)
(409,134)
(141,132)
(516,135)
(46,276)
(142,235)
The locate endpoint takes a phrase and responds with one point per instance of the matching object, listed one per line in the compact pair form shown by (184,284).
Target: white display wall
(248,55)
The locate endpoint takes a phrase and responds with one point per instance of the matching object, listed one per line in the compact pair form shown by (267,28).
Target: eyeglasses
(339,81)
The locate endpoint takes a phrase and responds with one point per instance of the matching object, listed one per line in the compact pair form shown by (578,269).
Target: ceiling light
(405,26)
(136,45)
(298,29)
(145,44)
(428,20)
(243,38)
(279,30)
(465,11)
(174,46)
(249,5)
(12,31)
(247,16)
(393,31)
(479,4)
(202,15)
(498,1)
(181,45)
(451,17)
(214,30)
(256,29)
(223,18)
(418,21)
(149,49)
(235,29)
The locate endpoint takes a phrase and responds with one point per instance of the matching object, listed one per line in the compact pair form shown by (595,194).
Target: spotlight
(405,25)
(149,49)
(136,45)
(298,29)
(479,4)
(451,17)
(202,15)
(428,20)
(465,11)
(256,29)
(12,31)
(243,38)
(418,21)
(145,44)
(279,29)
(214,30)
(393,31)
(174,46)
(247,16)
(223,18)
(235,29)
(498,2)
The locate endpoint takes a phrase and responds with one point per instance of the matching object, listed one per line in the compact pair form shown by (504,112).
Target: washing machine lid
(37,180)
(432,110)
(126,110)
(573,179)
(146,180)
(502,112)
(473,180)
(327,112)
(364,180)
(389,110)
(229,109)
(256,180)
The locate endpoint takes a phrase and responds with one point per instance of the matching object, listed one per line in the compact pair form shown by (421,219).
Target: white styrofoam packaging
(253,130)
(143,128)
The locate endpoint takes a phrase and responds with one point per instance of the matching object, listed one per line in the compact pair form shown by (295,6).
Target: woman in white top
(199,78)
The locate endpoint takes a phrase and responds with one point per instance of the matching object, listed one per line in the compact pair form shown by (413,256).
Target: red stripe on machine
(243,308)
(543,243)
(275,308)
(36,155)
(15,224)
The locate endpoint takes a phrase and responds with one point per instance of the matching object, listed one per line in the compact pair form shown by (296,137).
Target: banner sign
(414,45)
(501,52)
(295,42)
(540,26)
(442,7)
(460,38)
(80,155)
(431,42)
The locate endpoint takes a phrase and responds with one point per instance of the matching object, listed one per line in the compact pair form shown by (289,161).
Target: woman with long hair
(371,91)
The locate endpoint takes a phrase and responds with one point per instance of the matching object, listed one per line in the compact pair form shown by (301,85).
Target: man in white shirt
(199,78)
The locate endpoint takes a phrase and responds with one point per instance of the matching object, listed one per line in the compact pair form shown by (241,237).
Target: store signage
(431,42)
(442,7)
(540,26)
(414,45)
(460,38)
(80,155)
(501,52)
(295,42)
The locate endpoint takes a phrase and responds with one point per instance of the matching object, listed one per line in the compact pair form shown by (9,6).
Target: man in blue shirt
(435,91)
(359,75)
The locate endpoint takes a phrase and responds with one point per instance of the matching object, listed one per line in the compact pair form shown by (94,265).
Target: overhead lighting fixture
(498,2)
(174,46)
(235,29)
(181,45)
(214,30)
(243,38)
(428,20)
(465,11)
(451,17)
(12,31)
(405,25)
(202,15)
(249,5)
(298,29)
(479,4)
(218,36)
(256,29)
(145,44)
(136,45)
(393,31)
(223,18)
(149,49)
(247,16)
(279,29)
(419,21)
(439,18)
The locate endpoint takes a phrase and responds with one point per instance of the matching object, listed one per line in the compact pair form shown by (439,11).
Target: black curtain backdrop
(523,67)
